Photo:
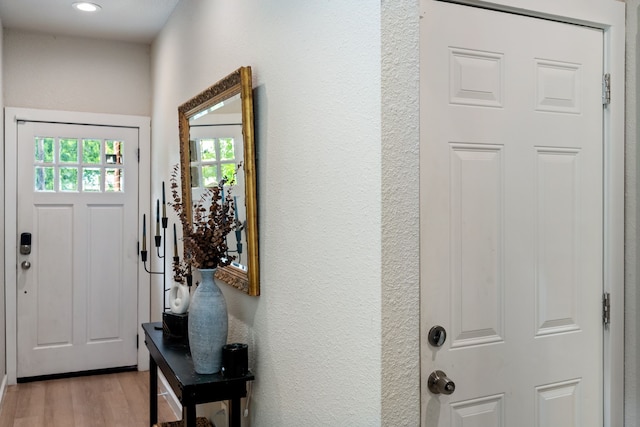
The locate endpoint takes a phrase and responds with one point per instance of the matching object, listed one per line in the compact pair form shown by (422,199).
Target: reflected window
(211,160)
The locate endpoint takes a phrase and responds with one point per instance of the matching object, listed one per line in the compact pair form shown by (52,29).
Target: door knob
(26,265)
(439,383)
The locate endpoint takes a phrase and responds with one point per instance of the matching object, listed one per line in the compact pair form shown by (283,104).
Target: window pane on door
(91,151)
(207,149)
(210,175)
(113,180)
(228,172)
(68,179)
(44,150)
(227,151)
(68,151)
(113,152)
(44,177)
(91,179)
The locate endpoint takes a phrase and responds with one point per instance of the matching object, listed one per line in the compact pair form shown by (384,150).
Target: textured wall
(632,296)
(74,74)
(400,214)
(314,333)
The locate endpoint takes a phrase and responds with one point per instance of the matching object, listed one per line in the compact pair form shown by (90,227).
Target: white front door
(77,288)
(511,239)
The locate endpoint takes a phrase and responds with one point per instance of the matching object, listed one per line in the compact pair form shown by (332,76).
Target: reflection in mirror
(216,153)
(216,143)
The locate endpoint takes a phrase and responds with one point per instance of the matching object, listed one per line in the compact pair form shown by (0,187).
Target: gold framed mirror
(216,135)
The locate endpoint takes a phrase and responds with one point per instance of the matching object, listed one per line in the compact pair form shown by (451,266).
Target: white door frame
(610,17)
(11,115)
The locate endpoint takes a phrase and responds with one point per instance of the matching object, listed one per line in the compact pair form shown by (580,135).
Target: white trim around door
(11,116)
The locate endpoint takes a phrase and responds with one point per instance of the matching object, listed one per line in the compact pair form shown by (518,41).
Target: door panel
(78,195)
(511,218)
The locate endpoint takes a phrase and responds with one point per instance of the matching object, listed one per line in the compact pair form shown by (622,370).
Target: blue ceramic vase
(208,324)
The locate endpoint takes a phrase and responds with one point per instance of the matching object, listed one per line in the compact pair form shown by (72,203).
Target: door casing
(610,17)
(11,116)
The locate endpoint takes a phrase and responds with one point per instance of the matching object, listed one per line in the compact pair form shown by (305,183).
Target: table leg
(153,392)
(234,412)
(189,415)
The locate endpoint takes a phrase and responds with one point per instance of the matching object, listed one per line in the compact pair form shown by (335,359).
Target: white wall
(315,332)
(73,74)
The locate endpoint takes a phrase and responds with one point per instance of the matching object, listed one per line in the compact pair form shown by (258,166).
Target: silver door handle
(439,383)
(25,265)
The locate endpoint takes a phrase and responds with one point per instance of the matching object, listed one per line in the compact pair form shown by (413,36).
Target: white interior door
(511,218)
(77,297)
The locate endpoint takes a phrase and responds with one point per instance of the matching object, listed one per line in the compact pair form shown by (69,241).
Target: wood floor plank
(117,412)
(86,403)
(34,421)
(58,407)
(136,394)
(30,400)
(98,401)
(8,409)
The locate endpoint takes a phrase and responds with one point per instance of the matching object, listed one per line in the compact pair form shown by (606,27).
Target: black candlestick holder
(161,251)
(160,245)
(174,325)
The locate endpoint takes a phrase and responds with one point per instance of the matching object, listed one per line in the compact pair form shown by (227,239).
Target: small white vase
(208,324)
(179,298)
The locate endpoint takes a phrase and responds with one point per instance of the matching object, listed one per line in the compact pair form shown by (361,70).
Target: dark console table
(174,360)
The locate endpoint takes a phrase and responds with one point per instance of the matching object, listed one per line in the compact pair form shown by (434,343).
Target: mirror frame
(238,82)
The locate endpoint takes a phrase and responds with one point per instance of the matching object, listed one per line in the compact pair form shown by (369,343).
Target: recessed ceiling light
(86,6)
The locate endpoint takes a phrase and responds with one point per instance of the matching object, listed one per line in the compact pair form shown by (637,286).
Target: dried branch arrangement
(204,235)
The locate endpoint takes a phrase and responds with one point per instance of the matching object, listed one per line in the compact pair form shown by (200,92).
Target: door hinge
(606,308)
(138,153)
(137,340)
(606,89)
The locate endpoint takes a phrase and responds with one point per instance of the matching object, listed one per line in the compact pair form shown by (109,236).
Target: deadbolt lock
(437,336)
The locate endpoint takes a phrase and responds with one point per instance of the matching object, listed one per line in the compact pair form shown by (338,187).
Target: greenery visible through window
(211,160)
(72,165)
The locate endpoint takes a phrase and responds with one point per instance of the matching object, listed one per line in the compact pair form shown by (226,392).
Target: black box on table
(175,327)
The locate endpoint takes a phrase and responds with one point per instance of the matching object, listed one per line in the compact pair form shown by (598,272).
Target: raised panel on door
(477,245)
(53,233)
(557,244)
(106,283)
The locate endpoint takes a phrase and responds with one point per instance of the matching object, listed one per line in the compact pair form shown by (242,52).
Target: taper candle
(164,203)
(235,206)
(158,217)
(175,242)
(144,232)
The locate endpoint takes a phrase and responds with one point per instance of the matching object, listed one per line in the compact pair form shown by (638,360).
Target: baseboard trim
(77,374)
(3,387)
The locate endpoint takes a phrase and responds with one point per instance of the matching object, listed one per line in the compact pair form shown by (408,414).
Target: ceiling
(125,20)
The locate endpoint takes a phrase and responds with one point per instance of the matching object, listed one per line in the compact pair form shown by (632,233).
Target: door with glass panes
(77,282)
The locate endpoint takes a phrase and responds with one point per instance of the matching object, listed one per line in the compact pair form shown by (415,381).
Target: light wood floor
(113,400)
